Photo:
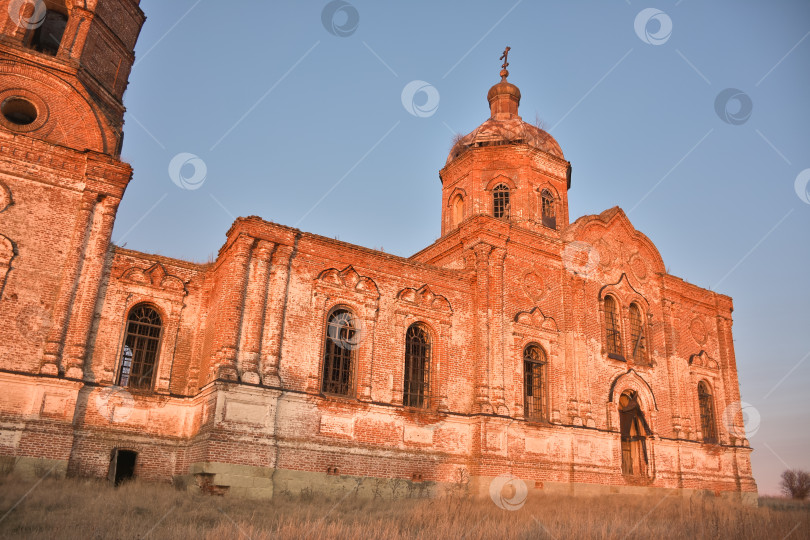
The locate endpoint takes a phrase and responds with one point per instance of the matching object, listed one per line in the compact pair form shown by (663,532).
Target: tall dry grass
(88,509)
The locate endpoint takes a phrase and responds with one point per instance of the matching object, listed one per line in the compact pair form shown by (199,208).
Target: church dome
(504,125)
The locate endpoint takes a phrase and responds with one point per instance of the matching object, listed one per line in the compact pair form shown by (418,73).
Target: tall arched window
(612,334)
(416,390)
(500,201)
(534,365)
(638,341)
(342,339)
(707,424)
(141,344)
(549,212)
(458,210)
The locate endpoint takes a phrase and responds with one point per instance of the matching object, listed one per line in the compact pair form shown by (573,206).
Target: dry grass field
(86,509)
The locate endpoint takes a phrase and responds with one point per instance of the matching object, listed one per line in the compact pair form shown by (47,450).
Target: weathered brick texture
(237,377)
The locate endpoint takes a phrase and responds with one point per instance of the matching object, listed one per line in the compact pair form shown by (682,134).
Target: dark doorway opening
(634,432)
(122,466)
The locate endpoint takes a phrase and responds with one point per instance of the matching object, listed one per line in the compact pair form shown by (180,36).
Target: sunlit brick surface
(237,379)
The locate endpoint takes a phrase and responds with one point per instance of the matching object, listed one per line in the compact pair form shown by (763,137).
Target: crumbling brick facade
(560,353)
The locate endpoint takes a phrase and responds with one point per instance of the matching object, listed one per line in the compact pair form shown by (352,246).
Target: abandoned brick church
(518,343)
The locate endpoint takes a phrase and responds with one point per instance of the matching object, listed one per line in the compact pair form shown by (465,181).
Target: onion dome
(505,126)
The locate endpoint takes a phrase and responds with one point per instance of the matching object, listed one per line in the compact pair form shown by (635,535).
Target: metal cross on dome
(505,57)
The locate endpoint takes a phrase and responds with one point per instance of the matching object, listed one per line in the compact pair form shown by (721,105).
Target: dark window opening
(342,338)
(549,212)
(638,341)
(534,365)
(48,36)
(416,390)
(500,201)
(19,111)
(614,338)
(634,431)
(122,466)
(139,355)
(707,424)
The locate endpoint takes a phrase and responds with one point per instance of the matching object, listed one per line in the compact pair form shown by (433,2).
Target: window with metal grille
(500,201)
(141,344)
(534,365)
(416,390)
(342,339)
(614,338)
(638,342)
(549,212)
(707,424)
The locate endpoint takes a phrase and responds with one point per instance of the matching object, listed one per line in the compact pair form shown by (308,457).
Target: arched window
(141,344)
(549,212)
(342,339)
(638,341)
(634,432)
(534,365)
(707,424)
(614,338)
(416,390)
(458,210)
(500,201)
(47,36)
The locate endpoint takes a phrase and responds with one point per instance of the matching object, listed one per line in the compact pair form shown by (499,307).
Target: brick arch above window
(501,179)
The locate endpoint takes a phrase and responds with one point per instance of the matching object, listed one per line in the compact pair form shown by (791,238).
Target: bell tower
(64,67)
(506,168)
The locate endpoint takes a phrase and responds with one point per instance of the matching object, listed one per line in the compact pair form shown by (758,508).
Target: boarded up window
(707,424)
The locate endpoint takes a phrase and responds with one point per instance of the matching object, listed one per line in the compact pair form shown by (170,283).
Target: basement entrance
(122,466)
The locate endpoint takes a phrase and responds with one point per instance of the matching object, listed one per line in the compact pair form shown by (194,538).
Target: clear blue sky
(280,111)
